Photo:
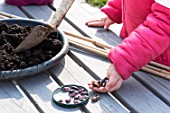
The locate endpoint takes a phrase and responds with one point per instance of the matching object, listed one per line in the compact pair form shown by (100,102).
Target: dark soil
(12,35)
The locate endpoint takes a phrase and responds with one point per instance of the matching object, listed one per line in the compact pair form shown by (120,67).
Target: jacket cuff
(114,14)
(121,65)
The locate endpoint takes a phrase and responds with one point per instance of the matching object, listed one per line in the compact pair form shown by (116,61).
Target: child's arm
(144,44)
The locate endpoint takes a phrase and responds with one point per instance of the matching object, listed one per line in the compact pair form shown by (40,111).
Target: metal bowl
(40,67)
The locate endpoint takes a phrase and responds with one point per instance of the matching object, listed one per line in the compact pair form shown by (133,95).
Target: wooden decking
(141,93)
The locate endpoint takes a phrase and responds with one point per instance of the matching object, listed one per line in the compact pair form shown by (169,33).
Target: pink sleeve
(113,9)
(144,44)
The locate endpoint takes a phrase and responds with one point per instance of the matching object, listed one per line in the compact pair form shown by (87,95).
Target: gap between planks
(23,91)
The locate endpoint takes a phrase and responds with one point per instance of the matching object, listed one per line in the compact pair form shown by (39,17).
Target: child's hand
(115,81)
(103,22)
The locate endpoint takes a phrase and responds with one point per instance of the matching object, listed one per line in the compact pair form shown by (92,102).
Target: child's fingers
(100,89)
(91,84)
(93,21)
(96,20)
(96,24)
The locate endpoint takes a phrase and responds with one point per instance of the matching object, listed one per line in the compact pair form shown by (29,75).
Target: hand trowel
(40,32)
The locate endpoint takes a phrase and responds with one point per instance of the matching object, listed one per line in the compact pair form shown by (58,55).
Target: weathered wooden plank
(146,101)
(73,74)
(11,9)
(95,11)
(158,85)
(41,95)
(16,105)
(93,31)
(133,103)
(77,17)
(28,9)
(102,32)
(41,13)
(40,88)
(78,21)
(12,101)
(128,88)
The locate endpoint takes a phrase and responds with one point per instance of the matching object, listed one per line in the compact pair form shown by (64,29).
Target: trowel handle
(59,14)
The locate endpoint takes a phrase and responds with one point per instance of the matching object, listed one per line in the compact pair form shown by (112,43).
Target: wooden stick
(8,15)
(88,48)
(158,69)
(160,65)
(3,17)
(61,10)
(155,72)
(81,43)
(89,40)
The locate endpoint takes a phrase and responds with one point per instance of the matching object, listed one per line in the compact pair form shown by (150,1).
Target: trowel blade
(37,35)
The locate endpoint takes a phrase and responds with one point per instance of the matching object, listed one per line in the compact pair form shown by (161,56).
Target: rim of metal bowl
(40,67)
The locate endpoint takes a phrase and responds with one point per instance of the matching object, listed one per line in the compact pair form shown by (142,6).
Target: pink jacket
(146,33)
